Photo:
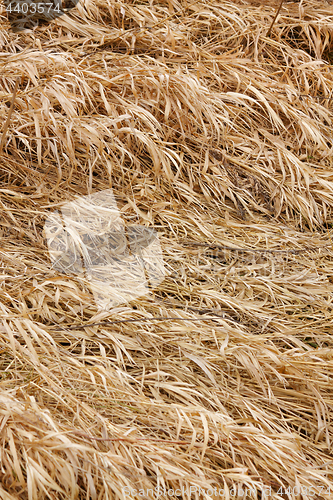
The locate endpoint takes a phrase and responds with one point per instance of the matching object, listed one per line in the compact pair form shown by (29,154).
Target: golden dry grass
(217,136)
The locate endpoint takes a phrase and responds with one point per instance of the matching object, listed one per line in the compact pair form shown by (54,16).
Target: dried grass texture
(219,137)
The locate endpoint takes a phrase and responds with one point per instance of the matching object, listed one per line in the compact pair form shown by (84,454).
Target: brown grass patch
(220,138)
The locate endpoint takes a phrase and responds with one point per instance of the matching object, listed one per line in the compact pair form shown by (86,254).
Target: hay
(219,137)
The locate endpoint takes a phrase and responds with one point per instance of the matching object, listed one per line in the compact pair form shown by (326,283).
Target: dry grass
(217,136)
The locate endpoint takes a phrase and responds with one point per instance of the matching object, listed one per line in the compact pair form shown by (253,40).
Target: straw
(219,138)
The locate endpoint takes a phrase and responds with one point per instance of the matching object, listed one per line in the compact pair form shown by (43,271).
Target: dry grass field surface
(218,137)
